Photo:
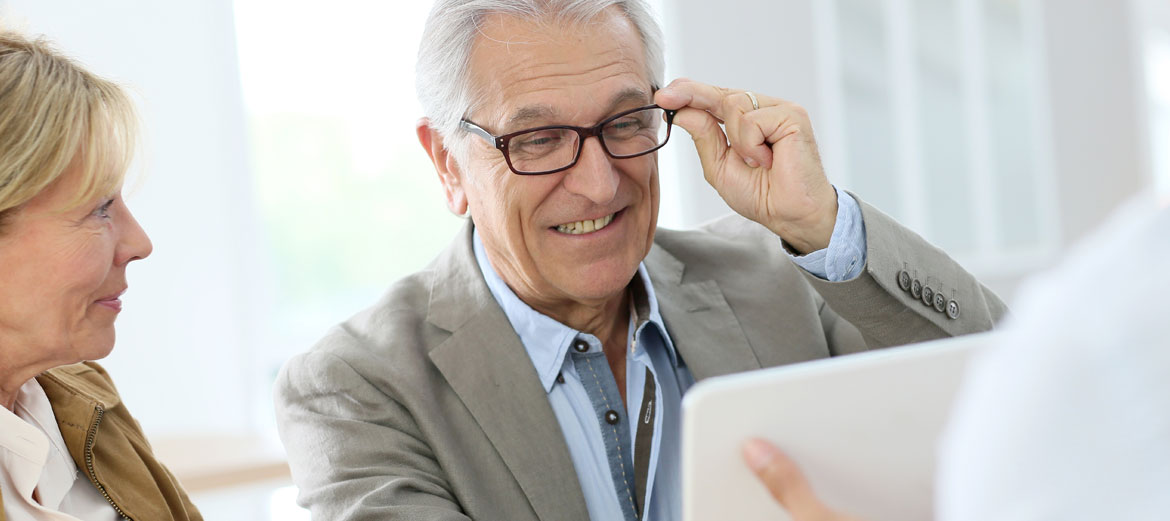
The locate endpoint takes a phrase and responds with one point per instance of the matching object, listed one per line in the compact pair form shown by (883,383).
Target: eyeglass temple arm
(475,129)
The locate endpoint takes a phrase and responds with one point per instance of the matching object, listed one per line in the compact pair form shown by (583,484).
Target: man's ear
(445,165)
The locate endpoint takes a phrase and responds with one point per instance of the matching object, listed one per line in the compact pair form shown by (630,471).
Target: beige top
(34,459)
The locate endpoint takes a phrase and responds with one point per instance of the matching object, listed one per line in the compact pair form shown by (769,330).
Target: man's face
(535,74)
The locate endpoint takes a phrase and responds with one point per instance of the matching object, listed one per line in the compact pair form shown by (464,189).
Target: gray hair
(442,76)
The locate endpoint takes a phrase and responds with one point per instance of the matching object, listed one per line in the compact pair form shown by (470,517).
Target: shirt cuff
(844,258)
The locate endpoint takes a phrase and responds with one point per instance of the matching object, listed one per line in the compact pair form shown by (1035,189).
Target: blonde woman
(69,449)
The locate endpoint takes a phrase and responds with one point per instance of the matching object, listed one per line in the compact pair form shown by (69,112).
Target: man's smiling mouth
(586,226)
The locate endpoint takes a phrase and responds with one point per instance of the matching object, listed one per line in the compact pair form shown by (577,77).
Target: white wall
(1091,145)
(762,45)
(1152,19)
(182,359)
(1098,121)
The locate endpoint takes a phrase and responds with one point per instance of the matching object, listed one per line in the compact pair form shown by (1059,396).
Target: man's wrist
(812,235)
(844,257)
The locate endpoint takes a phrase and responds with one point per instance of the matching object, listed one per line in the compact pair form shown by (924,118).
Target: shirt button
(581,346)
(611,417)
(560,378)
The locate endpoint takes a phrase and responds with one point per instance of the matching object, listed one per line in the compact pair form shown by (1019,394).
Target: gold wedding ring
(755,102)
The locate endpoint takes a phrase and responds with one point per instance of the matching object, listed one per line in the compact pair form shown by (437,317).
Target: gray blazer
(426,406)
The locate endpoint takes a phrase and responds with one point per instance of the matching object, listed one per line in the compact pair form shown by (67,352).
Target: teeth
(586,226)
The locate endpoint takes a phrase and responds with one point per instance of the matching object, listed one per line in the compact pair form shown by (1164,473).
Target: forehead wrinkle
(569,66)
(602,72)
(549,112)
(530,63)
(537,111)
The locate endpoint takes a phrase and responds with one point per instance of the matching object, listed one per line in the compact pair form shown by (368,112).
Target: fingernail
(750,162)
(758,454)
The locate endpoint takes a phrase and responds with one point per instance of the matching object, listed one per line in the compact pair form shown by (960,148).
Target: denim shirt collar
(546,340)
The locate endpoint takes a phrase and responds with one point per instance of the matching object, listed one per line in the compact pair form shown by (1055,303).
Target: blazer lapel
(702,326)
(487,366)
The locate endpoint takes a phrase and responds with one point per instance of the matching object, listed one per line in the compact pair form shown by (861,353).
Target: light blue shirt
(845,256)
(581,388)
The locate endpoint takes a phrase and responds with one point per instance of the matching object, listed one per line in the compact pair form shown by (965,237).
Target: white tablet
(863,427)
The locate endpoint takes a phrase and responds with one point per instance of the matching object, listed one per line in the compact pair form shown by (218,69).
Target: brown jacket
(109,447)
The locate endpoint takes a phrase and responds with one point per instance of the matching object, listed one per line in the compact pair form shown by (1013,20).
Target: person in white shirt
(1069,417)
(69,450)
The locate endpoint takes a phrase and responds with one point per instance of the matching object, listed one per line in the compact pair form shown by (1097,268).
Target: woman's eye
(103,210)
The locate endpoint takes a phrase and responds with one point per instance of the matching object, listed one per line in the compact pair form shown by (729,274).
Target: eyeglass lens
(551,149)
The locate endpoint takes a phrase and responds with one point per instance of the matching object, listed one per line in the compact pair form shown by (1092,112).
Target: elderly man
(535,369)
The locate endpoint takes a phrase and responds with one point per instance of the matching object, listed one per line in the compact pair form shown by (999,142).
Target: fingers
(748,128)
(765,127)
(785,481)
(721,102)
(710,141)
(747,139)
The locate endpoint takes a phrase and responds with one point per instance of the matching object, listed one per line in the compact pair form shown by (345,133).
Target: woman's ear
(445,165)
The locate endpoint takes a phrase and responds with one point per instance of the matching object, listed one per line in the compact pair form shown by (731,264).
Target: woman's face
(61,275)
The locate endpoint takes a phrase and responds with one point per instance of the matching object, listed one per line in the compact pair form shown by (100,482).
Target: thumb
(784,481)
(710,141)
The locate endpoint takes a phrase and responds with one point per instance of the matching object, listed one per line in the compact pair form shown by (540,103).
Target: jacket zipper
(89,440)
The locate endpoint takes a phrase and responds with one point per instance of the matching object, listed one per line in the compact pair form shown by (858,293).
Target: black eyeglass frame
(583,133)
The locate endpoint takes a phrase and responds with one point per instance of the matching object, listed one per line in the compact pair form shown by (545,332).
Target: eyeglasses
(551,149)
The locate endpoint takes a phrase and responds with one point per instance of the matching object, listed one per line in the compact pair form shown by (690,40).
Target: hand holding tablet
(787,484)
(862,428)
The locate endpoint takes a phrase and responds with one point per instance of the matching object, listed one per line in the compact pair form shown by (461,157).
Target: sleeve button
(904,280)
(953,309)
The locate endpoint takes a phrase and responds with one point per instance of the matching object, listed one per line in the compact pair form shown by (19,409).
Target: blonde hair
(55,115)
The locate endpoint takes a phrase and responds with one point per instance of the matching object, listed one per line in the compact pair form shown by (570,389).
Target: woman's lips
(113,302)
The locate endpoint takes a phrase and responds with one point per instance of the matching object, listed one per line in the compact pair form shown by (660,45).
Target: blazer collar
(485,363)
(701,323)
(487,366)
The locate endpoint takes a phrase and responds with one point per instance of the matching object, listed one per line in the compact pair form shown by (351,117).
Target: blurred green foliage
(336,233)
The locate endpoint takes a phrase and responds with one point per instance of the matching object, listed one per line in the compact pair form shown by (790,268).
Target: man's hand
(787,483)
(771,171)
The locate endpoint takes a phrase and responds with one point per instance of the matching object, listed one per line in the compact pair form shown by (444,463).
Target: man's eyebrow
(529,113)
(546,112)
(631,94)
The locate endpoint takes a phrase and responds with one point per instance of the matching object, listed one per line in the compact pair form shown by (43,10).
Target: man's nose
(594,175)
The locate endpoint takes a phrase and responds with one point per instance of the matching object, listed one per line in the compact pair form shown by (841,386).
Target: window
(1158,86)
(347,199)
(937,107)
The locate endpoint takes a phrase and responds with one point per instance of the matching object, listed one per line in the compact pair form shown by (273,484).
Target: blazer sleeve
(883,313)
(356,453)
